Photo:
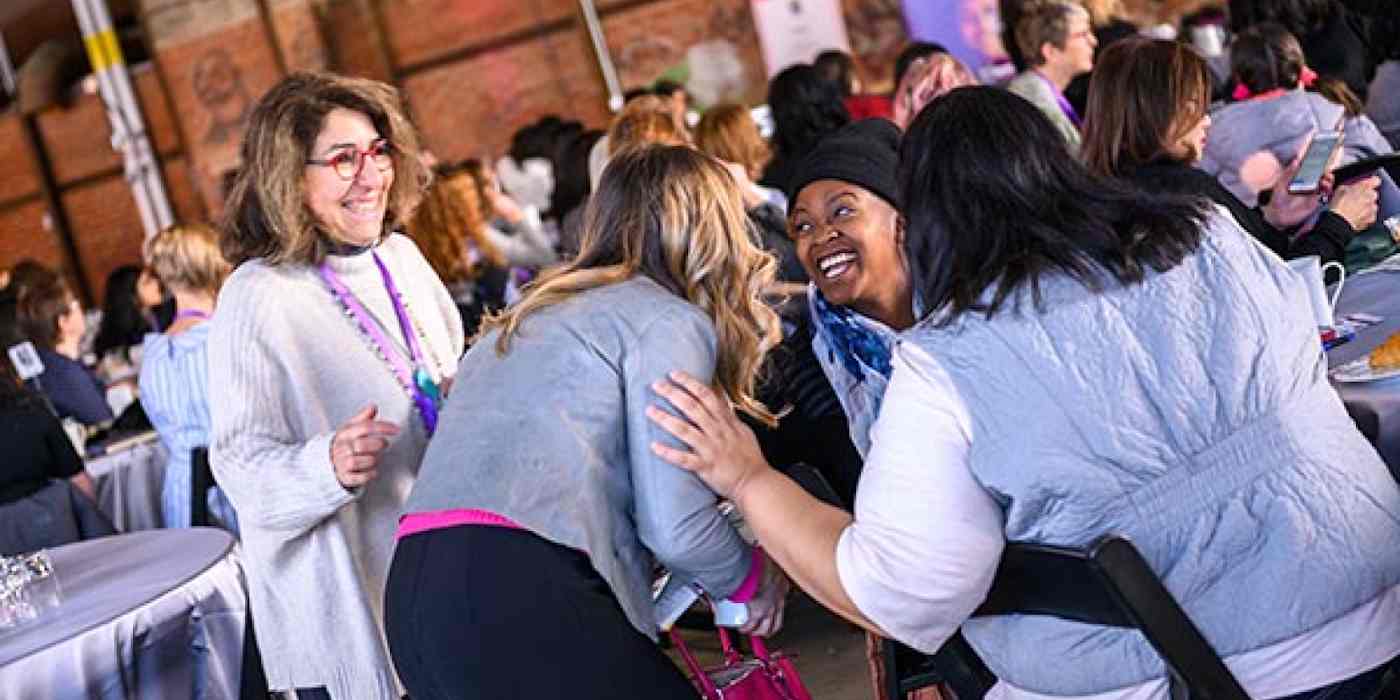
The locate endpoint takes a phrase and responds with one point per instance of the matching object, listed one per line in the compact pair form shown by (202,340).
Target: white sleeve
(926,539)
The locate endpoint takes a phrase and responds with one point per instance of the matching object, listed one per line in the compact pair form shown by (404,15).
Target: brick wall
(472,106)
(472,72)
(20,180)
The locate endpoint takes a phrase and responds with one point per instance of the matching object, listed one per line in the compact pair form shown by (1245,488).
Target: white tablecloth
(1374,405)
(151,616)
(129,483)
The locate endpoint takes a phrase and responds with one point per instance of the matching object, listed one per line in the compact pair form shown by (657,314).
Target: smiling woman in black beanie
(847,229)
(1096,359)
(849,233)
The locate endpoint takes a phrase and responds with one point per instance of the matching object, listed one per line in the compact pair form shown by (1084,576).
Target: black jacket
(1348,47)
(1384,16)
(770,225)
(1328,239)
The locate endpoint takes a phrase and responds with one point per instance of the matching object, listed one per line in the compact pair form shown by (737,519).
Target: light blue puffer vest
(1192,415)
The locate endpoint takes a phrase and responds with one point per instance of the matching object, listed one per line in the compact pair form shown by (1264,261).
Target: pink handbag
(764,677)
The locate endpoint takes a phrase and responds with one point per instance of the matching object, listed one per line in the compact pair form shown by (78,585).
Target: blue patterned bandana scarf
(858,345)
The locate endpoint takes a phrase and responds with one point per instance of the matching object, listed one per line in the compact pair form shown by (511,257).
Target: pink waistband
(414,523)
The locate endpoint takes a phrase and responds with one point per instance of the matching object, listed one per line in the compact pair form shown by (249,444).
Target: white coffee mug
(1311,270)
(119,396)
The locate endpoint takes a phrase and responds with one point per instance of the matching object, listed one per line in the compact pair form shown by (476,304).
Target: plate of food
(1381,363)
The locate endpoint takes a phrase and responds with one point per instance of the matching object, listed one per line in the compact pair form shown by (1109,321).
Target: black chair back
(201,480)
(1108,583)
(955,664)
(1196,670)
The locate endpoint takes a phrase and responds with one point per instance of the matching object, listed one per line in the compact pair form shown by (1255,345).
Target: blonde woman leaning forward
(538,514)
(332,347)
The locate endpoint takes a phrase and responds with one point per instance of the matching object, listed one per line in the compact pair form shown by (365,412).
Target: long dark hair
(13,393)
(839,68)
(571,183)
(123,320)
(1145,95)
(1267,56)
(994,200)
(805,107)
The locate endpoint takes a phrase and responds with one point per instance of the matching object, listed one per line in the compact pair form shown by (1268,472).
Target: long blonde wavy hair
(674,215)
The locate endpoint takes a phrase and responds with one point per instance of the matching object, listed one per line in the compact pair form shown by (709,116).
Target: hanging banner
(969,29)
(795,31)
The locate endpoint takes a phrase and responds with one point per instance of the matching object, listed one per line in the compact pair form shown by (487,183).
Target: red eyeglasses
(347,163)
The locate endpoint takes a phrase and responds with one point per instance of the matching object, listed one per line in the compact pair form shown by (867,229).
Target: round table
(1374,405)
(153,614)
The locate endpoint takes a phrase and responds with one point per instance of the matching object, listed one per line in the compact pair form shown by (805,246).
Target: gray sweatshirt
(553,435)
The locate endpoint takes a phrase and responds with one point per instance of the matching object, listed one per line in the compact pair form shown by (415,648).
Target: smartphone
(731,614)
(1320,151)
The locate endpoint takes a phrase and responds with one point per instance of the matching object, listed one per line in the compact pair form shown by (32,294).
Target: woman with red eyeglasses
(330,351)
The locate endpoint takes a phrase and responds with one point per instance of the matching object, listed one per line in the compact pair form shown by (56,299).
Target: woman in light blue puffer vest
(1097,360)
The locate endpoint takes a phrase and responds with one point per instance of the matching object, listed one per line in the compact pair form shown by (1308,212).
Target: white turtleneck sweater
(287,367)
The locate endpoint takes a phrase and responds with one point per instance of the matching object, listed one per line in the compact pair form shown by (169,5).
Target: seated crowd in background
(1280,101)
(1151,126)
(1033,381)
(52,318)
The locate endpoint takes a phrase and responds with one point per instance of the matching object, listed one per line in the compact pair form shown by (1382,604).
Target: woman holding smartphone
(1149,125)
(1279,102)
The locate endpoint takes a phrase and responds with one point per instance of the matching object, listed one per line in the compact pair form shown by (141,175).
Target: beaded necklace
(411,372)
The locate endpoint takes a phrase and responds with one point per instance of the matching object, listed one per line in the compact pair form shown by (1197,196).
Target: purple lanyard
(1063,101)
(192,313)
(407,375)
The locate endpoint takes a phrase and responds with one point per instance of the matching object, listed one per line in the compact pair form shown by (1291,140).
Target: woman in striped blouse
(174,376)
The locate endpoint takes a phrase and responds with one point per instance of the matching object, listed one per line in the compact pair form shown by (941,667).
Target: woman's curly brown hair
(266,214)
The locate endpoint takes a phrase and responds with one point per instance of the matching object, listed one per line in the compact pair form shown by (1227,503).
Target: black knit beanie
(864,153)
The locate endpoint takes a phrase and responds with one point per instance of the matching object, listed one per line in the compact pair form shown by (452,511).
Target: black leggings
(478,611)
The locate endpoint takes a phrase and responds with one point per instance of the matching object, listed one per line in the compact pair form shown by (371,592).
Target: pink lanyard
(413,377)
